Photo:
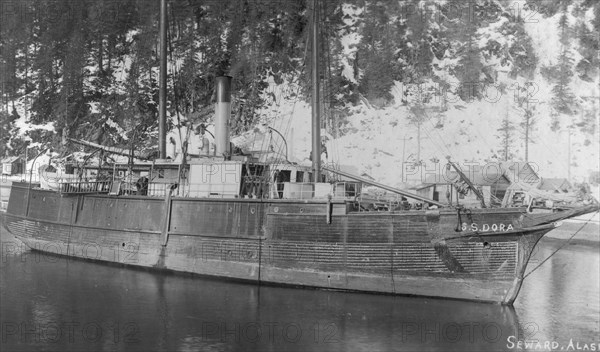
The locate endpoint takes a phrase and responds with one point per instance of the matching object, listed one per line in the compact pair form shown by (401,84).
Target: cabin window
(161,173)
(299,176)
(279,177)
(253,185)
(284,176)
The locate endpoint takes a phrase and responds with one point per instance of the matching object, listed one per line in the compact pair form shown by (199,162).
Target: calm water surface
(54,303)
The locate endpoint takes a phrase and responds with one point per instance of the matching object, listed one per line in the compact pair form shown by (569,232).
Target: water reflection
(561,299)
(51,303)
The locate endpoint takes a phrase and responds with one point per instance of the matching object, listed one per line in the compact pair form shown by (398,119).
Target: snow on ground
(23,122)
(545,38)
(349,39)
(122,133)
(379,139)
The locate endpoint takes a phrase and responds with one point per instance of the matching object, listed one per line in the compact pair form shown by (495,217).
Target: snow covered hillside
(406,84)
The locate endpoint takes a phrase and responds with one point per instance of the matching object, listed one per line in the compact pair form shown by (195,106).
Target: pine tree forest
(88,69)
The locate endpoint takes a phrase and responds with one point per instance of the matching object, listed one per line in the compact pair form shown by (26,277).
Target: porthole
(276,210)
(252,210)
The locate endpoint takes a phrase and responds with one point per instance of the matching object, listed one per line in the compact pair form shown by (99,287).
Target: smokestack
(222,113)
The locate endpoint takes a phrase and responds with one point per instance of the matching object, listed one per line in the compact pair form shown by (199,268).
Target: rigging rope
(445,145)
(280,123)
(283,125)
(433,141)
(559,248)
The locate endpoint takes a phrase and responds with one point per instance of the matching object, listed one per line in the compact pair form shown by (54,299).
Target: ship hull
(311,244)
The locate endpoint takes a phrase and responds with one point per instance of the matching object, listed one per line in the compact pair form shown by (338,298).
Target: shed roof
(490,174)
(11,159)
(520,171)
(553,184)
(481,176)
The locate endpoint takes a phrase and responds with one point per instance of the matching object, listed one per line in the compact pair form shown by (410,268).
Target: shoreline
(588,235)
(556,241)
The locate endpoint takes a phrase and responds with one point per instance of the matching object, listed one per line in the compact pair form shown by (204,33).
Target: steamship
(232,216)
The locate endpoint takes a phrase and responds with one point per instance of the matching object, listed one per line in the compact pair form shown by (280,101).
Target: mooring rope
(561,247)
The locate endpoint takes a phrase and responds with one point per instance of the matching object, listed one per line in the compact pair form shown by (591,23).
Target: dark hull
(315,244)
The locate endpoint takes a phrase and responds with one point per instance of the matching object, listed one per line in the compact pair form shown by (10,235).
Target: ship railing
(276,190)
(308,190)
(210,190)
(82,187)
(374,202)
(347,190)
(193,190)
(124,187)
(158,189)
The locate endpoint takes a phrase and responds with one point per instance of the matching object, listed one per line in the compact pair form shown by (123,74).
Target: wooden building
(493,180)
(521,172)
(555,185)
(12,165)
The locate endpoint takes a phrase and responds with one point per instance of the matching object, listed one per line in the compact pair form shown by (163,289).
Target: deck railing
(347,190)
(157,189)
(340,190)
(81,187)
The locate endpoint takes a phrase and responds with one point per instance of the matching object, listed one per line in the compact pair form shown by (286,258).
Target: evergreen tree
(506,133)
(415,49)
(589,44)
(470,68)
(564,100)
(377,58)
(546,8)
(91,67)
(528,123)
(521,52)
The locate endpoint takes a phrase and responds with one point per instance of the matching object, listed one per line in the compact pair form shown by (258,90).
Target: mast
(162,97)
(316,118)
